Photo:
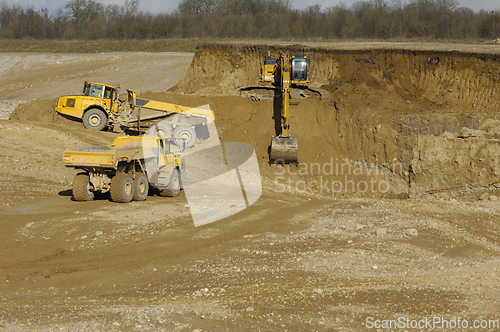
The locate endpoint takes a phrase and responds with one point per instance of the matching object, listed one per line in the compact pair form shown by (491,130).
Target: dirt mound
(387,107)
(40,110)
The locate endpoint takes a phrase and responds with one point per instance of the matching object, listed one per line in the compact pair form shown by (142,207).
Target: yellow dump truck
(99,107)
(127,168)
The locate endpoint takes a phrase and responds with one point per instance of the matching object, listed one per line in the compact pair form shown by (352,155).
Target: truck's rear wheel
(94,119)
(186,134)
(141,187)
(122,188)
(82,188)
(174,187)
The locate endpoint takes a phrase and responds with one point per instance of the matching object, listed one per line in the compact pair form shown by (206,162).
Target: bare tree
(196,6)
(84,10)
(130,7)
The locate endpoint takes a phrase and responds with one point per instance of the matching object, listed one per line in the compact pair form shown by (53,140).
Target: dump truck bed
(151,109)
(124,148)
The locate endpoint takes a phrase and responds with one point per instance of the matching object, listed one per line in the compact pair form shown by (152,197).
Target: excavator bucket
(284,150)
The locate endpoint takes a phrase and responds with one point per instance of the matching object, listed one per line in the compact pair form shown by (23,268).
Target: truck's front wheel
(94,119)
(82,188)
(122,188)
(174,187)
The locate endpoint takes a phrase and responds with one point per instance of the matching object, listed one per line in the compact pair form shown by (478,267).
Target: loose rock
(46,274)
(412,232)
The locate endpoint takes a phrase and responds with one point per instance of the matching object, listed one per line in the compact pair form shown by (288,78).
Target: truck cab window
(108,93)
(162,147)
(92,90)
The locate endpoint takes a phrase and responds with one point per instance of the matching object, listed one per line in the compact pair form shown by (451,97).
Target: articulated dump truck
(98,107)
(127,168)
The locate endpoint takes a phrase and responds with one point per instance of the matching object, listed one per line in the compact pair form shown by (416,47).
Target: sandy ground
(294,261)
(26,76)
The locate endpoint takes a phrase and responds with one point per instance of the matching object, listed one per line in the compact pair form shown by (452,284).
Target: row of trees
(88,19)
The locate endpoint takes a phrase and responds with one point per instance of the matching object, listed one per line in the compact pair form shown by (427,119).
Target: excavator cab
(299,69)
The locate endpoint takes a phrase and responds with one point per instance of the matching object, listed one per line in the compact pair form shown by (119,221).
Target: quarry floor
(296,260)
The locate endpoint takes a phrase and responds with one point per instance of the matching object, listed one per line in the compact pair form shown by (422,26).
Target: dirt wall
(453,79)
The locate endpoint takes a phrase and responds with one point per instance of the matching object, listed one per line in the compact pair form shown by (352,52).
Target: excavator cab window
(299,69)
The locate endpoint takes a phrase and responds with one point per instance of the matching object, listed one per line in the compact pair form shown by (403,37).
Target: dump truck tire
(164,130)
(95,119)
(122,188)
(141,187)
(161,130)
(81,188)
(174,187)
(184,133)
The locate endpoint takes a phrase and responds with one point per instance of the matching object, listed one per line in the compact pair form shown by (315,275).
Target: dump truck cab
(94,106)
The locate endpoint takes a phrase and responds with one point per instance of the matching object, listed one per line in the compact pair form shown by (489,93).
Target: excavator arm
(284,148)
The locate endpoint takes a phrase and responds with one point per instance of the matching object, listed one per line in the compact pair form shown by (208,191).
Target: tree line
(374,19)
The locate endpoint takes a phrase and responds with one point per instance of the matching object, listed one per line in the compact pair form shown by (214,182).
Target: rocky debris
(484,196)
(318,291)
(469,133)
(7,107)
(412,232)
(448,135)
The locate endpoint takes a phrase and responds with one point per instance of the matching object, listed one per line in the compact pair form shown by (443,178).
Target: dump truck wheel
(160,129)
(122,188)
(94,119)
(141,187)
(163,130)
(174,187)
(82,188)
(183,133)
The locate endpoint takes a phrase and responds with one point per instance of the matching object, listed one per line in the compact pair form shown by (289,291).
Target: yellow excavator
(284,73)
